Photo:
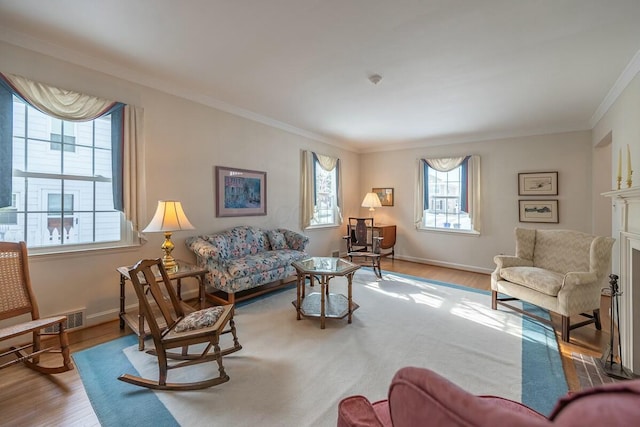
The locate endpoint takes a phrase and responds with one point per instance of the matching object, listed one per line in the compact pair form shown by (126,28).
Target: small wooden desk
(388,234)
(136,321)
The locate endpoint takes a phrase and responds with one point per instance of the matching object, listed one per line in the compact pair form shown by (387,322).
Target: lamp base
(167,260)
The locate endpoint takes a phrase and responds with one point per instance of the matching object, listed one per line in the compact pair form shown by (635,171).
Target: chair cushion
(545,281)
(276,239)
(199,319)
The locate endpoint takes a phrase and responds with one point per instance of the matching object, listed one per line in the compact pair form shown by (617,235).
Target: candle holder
(629,182)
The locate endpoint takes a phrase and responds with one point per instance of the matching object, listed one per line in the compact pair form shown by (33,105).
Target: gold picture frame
(385,194)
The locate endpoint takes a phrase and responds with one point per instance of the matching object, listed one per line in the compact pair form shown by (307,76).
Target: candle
(620,164)
(628,162)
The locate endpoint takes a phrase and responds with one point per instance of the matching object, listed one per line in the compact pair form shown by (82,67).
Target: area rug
(292,373)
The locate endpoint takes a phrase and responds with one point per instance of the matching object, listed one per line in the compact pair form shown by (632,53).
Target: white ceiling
(452,70)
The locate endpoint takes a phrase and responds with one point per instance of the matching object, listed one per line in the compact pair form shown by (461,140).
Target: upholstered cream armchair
(562,271)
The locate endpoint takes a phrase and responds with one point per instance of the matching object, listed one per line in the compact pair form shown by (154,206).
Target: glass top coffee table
(324,304)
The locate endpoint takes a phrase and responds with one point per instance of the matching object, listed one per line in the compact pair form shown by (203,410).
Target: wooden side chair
(362,244)
(174,326)
(17,300)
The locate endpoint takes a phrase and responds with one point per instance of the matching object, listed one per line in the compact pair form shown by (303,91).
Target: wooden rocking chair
(174,326)
(17,299)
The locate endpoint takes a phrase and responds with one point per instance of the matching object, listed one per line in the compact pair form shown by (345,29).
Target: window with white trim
(61,181)
(448,196)
(325,210)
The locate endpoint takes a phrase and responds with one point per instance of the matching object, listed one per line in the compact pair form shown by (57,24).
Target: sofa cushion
(264,261)
(276,239)
(539,279)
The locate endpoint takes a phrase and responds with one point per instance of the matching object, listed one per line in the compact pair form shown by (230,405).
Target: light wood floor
(31,399)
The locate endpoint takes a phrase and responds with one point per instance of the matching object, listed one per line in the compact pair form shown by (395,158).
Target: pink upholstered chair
(420,397)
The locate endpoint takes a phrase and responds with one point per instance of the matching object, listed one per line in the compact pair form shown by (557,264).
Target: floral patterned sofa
(244,258)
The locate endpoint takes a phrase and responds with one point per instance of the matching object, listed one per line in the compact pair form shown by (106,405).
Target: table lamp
(371,201)
(169,217)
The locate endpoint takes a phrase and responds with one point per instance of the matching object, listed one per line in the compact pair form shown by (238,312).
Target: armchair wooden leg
(494,300)
(596,318)
(565,328)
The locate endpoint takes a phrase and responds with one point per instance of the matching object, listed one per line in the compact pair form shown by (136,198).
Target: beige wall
(185,140)
(620,125)
(501,161)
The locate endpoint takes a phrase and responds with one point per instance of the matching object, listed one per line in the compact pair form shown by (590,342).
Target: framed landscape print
(538,184)
(385,195)
(538,211)
(240,192)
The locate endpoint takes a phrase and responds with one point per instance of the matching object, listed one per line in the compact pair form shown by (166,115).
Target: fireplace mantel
(626,227)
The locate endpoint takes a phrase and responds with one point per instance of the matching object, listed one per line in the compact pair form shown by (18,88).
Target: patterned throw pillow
(199,319)
(277,240)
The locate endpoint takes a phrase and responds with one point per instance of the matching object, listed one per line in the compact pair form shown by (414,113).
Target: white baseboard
(456,266)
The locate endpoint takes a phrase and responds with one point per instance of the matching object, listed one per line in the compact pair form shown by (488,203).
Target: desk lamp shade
(169,217)
(371,201)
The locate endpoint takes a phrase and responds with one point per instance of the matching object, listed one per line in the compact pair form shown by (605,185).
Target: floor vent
(74,320)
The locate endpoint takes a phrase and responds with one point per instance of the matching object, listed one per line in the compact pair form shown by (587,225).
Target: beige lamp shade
(371,201)
(169,216)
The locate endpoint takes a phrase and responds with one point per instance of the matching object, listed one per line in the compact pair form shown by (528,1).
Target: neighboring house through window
(448,197)
(64,177)
(321,201)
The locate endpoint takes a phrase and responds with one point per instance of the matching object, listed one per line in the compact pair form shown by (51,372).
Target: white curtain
(306,185)
(73,106)
(133,179)
(445,164)
(60,103)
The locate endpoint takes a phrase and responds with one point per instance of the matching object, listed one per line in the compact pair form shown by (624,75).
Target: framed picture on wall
(538,184)
(385,195)
(240,192)
(538,211)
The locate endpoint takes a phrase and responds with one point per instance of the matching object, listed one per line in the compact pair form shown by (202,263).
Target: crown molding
(25,41)
(630,71)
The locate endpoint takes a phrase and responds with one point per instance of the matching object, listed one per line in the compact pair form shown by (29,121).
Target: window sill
(321,226)
(76,250)
(449,231)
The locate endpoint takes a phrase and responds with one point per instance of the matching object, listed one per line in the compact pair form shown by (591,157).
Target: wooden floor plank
(31,399)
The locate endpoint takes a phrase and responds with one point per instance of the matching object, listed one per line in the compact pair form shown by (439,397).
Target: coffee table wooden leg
(350,295)
(300,280)
(322,300)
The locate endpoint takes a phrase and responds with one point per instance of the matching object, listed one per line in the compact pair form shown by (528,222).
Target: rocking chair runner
(183,329)
(361,243)
(17,299)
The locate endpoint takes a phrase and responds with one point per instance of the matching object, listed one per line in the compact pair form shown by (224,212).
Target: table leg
(323,285)
(122,280)
(349,295)
(300,280)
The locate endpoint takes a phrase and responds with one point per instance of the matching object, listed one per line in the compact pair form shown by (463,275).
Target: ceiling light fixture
(375,78)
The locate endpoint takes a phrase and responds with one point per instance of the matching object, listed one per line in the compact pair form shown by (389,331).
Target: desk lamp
(169,217)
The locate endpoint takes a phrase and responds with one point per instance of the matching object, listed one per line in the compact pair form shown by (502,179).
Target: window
(66,194)
(63,134)
(71,167)
(449,194)
(325,209)
(8,216)
(320,190)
